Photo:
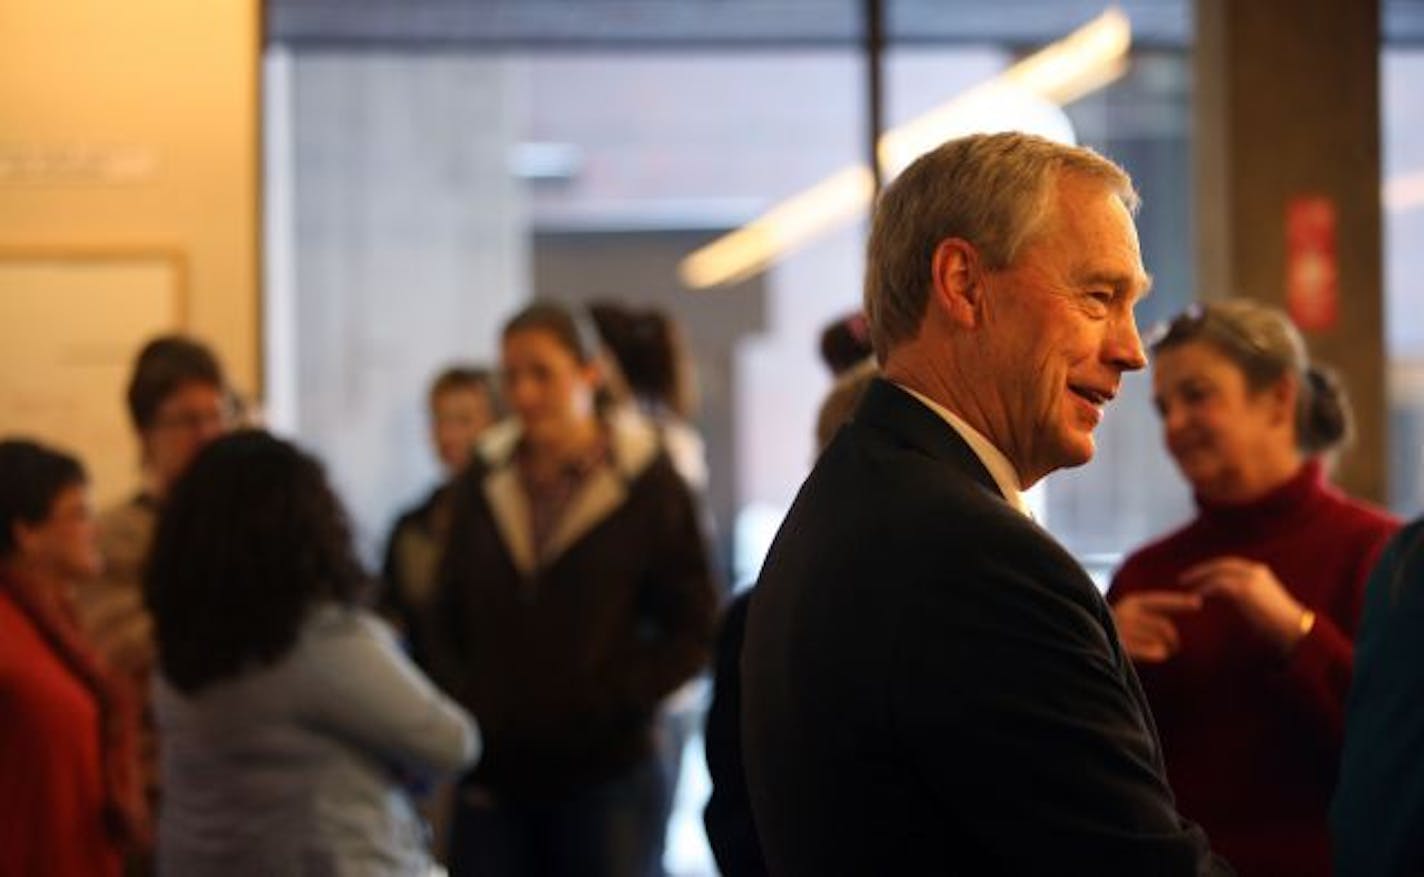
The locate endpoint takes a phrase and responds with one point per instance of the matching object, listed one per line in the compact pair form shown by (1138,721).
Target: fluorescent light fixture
(746,251)
(1025,97)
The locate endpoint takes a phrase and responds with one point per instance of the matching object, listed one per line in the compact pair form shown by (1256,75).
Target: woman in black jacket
(574,594)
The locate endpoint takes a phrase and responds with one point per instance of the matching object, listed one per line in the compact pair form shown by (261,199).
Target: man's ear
(955,281)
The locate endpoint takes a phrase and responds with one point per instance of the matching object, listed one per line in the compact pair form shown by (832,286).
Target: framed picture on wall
(71,322)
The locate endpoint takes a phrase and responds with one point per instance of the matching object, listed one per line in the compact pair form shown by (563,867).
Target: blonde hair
(991,190)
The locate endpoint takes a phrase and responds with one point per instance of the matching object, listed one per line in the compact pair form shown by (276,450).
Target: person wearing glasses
(178,401)
(1241,623)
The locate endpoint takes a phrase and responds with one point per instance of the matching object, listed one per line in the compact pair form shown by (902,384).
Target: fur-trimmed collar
(633,442)
(633,446)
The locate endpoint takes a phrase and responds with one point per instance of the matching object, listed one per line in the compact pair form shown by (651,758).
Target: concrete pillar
(409,247)
(1287,125)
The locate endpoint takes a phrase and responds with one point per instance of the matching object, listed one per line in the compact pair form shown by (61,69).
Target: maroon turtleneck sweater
(1251,737)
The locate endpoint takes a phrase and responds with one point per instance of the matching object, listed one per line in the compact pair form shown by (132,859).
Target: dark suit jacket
(932,684)
(731,830)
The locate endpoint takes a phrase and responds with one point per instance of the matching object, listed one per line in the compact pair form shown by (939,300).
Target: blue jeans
(610,829)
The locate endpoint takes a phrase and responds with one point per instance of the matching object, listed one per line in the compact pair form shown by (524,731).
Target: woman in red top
(70,802)
(1241,623)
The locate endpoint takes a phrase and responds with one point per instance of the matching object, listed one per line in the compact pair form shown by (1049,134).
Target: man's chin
(1078,452)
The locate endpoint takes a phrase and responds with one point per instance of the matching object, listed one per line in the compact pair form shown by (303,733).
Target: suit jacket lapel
(891,409)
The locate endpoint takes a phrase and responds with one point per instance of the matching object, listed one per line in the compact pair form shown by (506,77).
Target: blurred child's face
(458,416)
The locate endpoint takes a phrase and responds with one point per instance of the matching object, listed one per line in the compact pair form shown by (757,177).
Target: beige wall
(132,128)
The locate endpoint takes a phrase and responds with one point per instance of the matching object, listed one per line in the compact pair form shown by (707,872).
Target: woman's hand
(1145,626)
(1257,593)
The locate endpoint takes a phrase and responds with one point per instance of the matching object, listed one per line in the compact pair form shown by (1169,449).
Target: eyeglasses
(194,421)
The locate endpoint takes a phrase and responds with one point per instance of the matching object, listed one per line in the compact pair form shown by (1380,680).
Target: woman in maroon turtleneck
(1241,623)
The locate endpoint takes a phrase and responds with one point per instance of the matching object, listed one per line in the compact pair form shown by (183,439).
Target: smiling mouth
(1096,398)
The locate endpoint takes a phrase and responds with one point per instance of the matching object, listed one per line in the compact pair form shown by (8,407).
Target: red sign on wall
(1312,269)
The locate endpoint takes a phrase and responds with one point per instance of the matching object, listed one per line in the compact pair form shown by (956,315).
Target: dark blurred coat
(564,657)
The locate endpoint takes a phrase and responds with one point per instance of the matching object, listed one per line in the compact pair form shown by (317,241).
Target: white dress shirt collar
(1000,469)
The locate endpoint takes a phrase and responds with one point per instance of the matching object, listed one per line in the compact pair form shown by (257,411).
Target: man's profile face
(1059,327)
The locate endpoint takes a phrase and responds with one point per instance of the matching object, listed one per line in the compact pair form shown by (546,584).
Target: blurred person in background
(178,401)
(71,803)
(1377,816)
(291,724)
(731,830)
(1242,623)
(651,371)
(845,343)
(574,596)
(463,404)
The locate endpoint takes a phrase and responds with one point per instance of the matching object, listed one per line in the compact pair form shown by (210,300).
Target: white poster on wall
(70,326)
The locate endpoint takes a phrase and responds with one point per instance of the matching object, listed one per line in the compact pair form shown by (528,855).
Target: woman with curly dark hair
(290,723)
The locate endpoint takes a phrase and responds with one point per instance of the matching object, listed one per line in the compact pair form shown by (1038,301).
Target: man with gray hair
(931,683)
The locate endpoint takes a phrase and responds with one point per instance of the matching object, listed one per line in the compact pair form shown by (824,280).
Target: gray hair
(1262,342)
(991,190)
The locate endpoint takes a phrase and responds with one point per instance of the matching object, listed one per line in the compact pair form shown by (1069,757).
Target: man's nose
(1124,345)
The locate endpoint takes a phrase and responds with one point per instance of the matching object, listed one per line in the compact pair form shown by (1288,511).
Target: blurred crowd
(203,679)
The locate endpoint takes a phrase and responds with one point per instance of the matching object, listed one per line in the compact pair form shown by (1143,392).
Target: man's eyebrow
(1119,281)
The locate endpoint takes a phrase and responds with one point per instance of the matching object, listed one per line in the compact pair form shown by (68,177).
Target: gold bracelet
(1307,623)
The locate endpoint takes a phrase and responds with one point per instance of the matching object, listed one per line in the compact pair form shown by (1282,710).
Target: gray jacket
(301,767)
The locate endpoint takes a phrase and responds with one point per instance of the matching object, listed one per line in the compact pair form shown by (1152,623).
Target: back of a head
(1263,343)
(249,540)
(649,353)
(990,190)
(845,343)
(840,403)
(164,365)
(31,477)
